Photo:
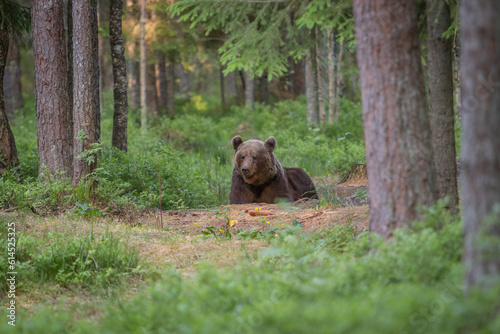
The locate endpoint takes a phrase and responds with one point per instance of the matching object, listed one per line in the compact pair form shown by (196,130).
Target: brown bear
(258,176)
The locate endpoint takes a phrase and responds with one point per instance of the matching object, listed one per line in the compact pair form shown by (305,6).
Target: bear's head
(254,160)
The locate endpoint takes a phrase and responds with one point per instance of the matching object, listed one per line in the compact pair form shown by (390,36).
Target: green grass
(186,160)
(332,282)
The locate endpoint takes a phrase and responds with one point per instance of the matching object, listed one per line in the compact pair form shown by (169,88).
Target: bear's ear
(236,141)
(270,144)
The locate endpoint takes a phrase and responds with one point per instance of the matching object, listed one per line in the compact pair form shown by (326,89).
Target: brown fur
(258,176)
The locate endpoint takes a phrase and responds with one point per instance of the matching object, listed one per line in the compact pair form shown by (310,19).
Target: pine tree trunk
(401,175)
(264,89)
(13,93)
(96,71)
(331,77)
(442,119)
(151,92)
(249,90)
(311,93)
(8,151)
(53,108)
(170,88)
(162,81)
(143,75)
(120,114)
(85,80)
(222,86)
(480,74)
(338,80)
(321,101)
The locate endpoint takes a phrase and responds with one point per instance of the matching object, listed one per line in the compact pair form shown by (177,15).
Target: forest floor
(183,239)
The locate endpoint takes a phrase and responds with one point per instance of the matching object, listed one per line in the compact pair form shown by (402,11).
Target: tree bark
(143,75)
(151,92)
(249,90)
(222,86)
(8,151)
(120,114)
(13,93)
(96,71)
(170,88)
(311,93)
(401,175)
(480,73)
(53,108)
(321,101)
(162,81)
(338,80)
(332,116)
(442,119)
(85,80)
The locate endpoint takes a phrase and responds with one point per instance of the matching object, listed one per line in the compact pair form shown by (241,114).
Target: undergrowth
(337,281)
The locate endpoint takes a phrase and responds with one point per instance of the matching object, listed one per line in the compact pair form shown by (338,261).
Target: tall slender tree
(53,108)
(480,73)
(12,79)
(120,114)
(401,174)
(442,119)
(143,69)
(85,80)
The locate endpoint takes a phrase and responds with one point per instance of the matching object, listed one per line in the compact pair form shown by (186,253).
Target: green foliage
(86,261)
(14,17)
(333,282)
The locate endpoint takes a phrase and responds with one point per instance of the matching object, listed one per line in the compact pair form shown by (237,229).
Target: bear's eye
(254,158)
(242,157)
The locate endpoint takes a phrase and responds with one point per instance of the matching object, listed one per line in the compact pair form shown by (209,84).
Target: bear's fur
(258,176)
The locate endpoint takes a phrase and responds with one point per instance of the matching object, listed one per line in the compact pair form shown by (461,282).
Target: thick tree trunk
(68,33)
(53,108)
(162,81)
(8,151)
(401,175)
(151,92)
(120,114)
(170,88)
(85,80)
(143,75)
(249,90)
(332,116)
(311,93)
(96,71)
(441,114)
(319,79)
(480,29)
(13,93)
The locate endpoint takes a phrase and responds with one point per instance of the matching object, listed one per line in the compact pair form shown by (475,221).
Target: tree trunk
(68,33)
(321,101)
(480,72)
(332,116)
(162,81)
(401,175)
(134,81)
(120,114)
(85,80)
(12,80)
(222,86)
(441,114)
(231,88)
(170,88)
(96,71)
(264,89)
(311,93)
(8,151)
(151,92)
(143,75)
(299,86)
(53,108)
(338,80)
(249,90)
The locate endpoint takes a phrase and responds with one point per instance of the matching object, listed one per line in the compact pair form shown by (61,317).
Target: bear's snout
(245,170)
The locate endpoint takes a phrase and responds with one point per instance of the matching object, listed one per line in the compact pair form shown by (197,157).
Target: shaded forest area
(115,165)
